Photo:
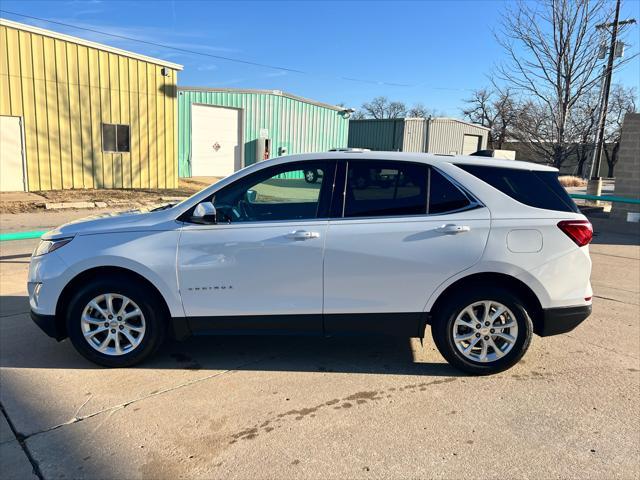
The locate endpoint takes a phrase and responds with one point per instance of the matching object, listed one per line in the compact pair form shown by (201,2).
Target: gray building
(447,136)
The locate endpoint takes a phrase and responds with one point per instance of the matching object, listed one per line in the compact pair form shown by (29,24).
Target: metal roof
(80,41)
(278,93)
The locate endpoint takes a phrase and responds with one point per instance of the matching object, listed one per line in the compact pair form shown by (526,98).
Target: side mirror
(204,213)
(251,196)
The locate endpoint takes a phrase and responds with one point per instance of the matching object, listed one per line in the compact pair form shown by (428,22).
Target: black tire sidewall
(442,329)
(154,321)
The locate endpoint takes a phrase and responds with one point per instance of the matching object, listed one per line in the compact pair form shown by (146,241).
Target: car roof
(428,158)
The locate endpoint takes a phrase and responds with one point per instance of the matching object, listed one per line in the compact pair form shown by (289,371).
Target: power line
(210,55)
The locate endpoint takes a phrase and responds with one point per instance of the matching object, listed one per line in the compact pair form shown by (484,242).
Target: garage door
(471,144)
(216,141)
(11,162)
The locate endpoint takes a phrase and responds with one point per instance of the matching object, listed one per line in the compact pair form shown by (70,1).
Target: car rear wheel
(482,332)
(114,322)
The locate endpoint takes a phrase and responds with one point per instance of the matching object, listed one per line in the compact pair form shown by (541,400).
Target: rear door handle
(302,235)
(453,229)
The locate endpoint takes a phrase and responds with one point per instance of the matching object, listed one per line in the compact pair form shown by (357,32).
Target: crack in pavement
(611,255)
(123,405)
(612,350)
(616,300)
(21,441)
(7,315)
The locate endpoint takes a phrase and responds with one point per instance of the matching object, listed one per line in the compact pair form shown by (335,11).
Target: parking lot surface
(301,407)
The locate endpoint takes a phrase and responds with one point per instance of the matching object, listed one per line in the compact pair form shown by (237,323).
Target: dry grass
(572,181)
(112,197)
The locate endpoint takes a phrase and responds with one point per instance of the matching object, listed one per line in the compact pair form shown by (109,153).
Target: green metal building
(223,130)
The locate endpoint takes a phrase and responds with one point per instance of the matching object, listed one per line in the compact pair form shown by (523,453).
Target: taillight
(580,231)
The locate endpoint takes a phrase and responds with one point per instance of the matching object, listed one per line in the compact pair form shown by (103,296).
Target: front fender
(151,255)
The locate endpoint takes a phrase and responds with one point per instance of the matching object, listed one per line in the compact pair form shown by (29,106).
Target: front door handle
(453,229)
(302,235)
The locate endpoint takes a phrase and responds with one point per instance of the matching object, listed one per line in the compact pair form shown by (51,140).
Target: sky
(431,52)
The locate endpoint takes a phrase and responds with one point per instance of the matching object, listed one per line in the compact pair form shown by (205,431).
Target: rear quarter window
(534,188)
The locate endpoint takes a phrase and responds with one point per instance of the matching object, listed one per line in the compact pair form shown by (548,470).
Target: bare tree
(552,62)
(494,109)
(381,107)
(584,123)
(621,101)
(419,110)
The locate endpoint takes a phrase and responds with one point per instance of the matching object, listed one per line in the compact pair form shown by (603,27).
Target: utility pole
(595,166)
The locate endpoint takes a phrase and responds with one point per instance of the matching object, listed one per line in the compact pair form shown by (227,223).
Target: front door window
(276,194)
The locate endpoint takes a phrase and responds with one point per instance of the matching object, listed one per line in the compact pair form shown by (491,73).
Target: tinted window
(385,188)
(533,188)
(122,138)
(444,196)
(279,193)
(109,138)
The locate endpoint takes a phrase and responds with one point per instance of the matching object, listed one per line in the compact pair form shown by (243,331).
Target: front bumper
(49,325)
(561,320)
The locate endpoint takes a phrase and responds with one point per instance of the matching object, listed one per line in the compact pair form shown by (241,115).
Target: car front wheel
(115,323)
(482,332)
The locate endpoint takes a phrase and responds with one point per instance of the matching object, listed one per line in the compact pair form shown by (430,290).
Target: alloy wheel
(485,331)
(113,324)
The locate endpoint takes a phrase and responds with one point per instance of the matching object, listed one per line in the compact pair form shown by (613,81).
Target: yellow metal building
(78,114)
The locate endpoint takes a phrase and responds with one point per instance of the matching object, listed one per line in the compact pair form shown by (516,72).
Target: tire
(453,316)
(147,329)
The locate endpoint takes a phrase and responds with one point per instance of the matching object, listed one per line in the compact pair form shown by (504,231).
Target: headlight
(48,246)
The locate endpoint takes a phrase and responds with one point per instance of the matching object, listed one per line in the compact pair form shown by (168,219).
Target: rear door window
(534,188)
(385,188)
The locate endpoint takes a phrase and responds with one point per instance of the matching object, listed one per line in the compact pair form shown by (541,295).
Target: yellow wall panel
(15,84)
(42,125)
(169,124)
(123,70)
(5,102)
(132,69)
(84,100)
(143,109)
(114,92)
(75,115)
(160,114)
(65,116)
(105,104)
(95,107)
(152,125)
(29,111)
(51,88)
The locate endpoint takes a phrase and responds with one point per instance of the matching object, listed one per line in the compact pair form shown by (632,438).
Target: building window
(115,138)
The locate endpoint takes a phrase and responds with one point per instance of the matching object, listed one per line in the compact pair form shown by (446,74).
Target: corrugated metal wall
(415,135)
(64,92)
(383,135)
(445,135)
(435,135)
(294,124)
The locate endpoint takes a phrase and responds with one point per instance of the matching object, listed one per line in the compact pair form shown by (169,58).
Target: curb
(22,235)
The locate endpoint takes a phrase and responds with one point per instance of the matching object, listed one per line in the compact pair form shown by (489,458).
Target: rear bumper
(48,325)
(561,320)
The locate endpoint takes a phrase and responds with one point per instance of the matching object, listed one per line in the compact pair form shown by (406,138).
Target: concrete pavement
(225,407)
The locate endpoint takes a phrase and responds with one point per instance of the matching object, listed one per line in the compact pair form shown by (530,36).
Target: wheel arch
(91,273)
(509,282)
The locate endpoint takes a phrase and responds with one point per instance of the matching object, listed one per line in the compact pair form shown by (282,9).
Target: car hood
(128,221)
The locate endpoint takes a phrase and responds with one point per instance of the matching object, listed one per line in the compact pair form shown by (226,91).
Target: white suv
(485,251)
